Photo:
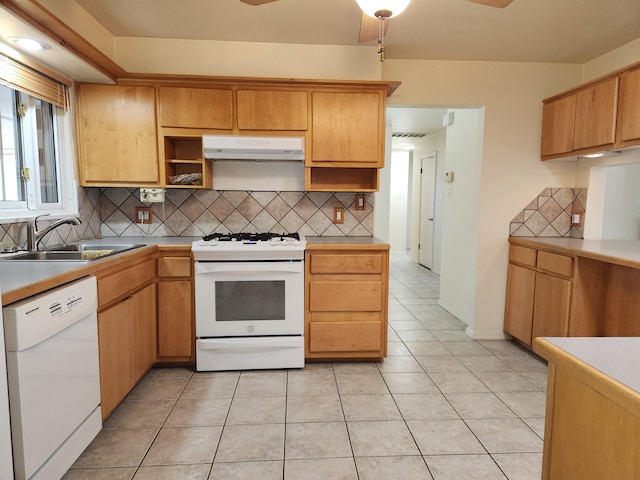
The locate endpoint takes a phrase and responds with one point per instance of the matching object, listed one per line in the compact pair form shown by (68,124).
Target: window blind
(20,77)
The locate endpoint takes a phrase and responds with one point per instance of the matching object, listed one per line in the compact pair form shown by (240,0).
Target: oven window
(249,300)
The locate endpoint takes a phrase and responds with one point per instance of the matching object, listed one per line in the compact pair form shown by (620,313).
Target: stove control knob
(250,329)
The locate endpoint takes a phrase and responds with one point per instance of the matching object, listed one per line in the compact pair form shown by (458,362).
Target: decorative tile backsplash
(194,212)
(15,234)
(110,212)
(549,214)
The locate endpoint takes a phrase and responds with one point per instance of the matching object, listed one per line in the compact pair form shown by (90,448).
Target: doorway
(428,168)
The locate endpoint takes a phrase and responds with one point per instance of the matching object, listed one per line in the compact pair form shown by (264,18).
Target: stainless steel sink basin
(76,252)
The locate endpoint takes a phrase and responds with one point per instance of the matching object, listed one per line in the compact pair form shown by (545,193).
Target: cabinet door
(596,110)
(116,333)
(272,110)
(127,345)
(629,106)
(558,121)
(518,315)
(145,336)
(348,127)
(175,337)
(551,306)
(196,108)
(117,138)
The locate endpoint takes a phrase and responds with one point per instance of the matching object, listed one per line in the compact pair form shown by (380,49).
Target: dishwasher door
(54,383)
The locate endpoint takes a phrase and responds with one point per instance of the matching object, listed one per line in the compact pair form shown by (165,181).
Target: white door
(427,203)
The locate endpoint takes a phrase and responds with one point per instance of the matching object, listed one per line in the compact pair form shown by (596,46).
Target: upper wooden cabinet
(117,135)
(629,109)
(580,121)
(272,110)
(347,146)
(348,129)
(558,121)
(603,114)
(196,107)
(596,109)
(123,142)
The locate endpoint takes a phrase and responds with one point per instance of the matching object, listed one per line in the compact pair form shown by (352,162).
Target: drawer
(522,255)
(346,263)
(345,296)
(554,263)
(345,337)
(174,267)
(128,280)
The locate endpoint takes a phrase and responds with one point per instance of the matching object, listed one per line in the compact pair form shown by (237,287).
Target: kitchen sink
(76,252)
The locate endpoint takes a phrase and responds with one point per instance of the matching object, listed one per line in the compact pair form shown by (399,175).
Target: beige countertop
(37,276)
(345,242)
(19,279)
(615,357)
(619,252)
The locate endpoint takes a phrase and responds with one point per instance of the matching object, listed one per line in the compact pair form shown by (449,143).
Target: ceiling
(565,31)
(554,31)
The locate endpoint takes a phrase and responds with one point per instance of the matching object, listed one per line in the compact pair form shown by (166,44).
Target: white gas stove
(249,291)
(249,247)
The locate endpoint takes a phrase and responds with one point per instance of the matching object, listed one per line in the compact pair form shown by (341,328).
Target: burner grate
(249,237)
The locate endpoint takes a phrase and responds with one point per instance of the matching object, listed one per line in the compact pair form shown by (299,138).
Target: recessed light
(29,44)
(594,155)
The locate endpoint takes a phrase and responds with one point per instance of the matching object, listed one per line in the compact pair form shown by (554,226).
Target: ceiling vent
(408,135)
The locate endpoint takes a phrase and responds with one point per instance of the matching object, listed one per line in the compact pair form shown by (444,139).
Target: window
(36,173)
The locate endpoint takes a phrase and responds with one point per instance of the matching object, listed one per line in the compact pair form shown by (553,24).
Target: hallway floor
(440,407)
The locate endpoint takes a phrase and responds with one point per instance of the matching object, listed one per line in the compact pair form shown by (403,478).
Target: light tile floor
(440,407)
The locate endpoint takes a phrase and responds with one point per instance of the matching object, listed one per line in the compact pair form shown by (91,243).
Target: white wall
(613,60)
(247,59)
(613,206)
(381,197)
(398,201)
(511,173)
(621,219)
(460,214)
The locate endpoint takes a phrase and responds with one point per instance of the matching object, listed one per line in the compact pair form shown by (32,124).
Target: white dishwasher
(54,383)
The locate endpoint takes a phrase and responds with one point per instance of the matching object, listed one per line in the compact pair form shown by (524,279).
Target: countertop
(17,276)
(346,242)
(615,357)
(619,252)
(19,279)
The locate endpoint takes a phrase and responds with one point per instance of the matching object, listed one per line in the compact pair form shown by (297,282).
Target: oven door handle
(255,267)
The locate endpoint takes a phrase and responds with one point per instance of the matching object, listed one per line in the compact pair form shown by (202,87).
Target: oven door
(249,298)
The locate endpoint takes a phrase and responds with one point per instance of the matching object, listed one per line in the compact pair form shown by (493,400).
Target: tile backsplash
(194,212)
(110,212)
(549,214)
(15,234)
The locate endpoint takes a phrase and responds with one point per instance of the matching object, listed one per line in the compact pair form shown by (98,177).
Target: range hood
(240,147)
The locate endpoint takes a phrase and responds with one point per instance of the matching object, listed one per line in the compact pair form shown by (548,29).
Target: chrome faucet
(34,235)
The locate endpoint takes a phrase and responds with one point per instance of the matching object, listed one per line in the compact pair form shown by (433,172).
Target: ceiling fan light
(370,7)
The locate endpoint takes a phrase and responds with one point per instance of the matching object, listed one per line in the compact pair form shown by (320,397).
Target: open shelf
(183,157)
(338,179)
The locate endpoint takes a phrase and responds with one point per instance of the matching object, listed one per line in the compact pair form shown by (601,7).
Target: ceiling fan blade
(493,3)
(256,2)
(370,28)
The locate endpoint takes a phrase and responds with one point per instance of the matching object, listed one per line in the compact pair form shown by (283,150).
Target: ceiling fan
(370,27)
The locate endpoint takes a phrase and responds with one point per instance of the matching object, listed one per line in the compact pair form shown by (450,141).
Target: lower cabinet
(346,295)
(551,306)
(175,307)
(538,294)
(127,333)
